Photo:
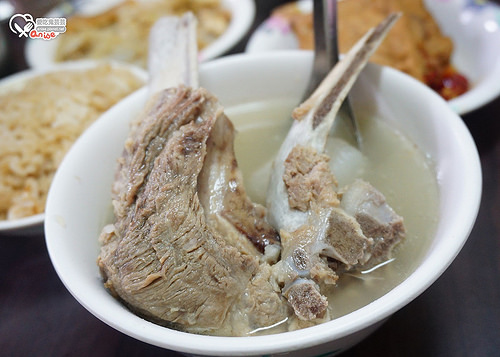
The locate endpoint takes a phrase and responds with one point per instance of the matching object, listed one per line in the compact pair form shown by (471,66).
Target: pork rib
(303,203)
(179,250)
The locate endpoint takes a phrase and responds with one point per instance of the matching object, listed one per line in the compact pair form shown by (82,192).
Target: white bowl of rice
(42,112)
(118,29)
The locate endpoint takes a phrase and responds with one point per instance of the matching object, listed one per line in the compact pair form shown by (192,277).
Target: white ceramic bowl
(40,54)
(34,224)
(473,26)
(86,175)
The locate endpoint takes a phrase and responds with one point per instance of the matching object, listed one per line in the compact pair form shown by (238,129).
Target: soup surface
(388,160)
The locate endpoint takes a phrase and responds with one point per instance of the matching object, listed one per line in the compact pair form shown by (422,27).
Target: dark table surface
(459,315)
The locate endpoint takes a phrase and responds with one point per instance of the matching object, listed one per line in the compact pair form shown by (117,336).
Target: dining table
(458,315)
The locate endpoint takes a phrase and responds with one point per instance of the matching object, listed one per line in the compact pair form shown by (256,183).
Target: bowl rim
(433,265)
(243,15)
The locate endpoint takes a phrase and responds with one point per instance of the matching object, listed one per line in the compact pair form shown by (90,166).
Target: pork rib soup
(195,246)
(388,160)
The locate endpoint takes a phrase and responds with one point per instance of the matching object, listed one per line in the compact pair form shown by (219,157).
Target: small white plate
(474,27)
(34,224)
(40,53)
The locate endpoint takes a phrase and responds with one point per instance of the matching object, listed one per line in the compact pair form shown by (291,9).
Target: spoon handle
(326,55)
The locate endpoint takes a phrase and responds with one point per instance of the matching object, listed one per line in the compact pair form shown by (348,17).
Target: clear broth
(389,161)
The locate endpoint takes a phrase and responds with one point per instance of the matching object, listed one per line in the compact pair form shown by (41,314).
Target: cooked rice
(121,33)
(40,121)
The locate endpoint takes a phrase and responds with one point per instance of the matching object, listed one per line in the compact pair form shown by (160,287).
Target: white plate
(34,224)
(40,53)
(473,26)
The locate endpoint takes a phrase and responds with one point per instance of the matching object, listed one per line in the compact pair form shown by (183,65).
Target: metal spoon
(326,55)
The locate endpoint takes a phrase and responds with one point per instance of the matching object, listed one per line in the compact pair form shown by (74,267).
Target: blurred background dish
(464,70)
(116,30)
(42,112)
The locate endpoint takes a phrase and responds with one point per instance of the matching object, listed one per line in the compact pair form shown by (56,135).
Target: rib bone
(302,199)
(172,58)
(314,118)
